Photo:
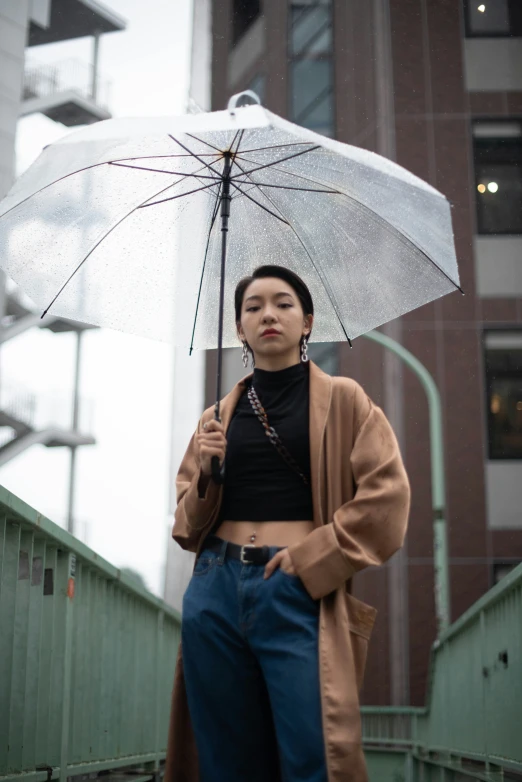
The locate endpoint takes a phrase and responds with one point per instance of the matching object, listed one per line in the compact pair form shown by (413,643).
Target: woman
(273,643)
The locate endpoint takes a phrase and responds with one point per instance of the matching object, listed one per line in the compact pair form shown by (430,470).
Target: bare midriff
(265,533)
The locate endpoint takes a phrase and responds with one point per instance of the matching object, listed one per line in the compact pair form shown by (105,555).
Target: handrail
(473,712)
(86,657)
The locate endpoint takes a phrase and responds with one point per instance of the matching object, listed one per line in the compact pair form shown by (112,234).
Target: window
(310,28)
(312,94)
(325,355)
(497,152)
(244,12)
(493,18)
(503,364)
(311,68)
(257,85)
(501,569)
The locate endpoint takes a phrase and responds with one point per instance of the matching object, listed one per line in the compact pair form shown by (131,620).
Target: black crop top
(259,484)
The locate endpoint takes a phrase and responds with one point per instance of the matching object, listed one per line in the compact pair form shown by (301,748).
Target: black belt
(251,555)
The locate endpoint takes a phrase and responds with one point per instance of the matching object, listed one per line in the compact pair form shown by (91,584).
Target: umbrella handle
(240,99)
(218,471)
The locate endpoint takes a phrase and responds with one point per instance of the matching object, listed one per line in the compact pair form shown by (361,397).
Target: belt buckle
(242,552)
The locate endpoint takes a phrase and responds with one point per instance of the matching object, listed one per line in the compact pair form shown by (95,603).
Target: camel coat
(361,500)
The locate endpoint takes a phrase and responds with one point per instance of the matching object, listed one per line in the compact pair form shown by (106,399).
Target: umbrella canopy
(119,225)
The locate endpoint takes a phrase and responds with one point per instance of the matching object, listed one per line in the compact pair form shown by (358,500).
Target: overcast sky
(122,481)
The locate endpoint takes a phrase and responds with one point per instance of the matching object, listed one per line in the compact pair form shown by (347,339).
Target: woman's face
(272,319)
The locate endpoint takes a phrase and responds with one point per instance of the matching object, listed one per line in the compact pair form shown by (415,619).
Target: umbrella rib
(97,244)
(162,171)
(80,171)
(282,160)
(213,220)
(180,195)
(387,225)
(325,282)
(285,187)
(231,147)
(242,133)
(153,157)
(292,173)
(260,205)
(201,141)
(277,146)
(194,155)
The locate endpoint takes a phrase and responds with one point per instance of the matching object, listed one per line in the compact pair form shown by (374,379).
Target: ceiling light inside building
(495,404)
(492,187)
(519,405)
(481,188)
(482,8)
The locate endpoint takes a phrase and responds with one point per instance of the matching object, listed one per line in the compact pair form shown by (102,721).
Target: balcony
(68,19)
(70,92)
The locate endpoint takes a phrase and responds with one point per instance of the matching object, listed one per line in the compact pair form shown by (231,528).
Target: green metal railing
(86,657)
(471,727)
(87,661)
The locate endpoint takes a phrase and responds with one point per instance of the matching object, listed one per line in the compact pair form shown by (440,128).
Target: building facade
(437,87)
(69,93)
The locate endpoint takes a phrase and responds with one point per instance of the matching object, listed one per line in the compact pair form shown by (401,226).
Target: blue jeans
(251,667)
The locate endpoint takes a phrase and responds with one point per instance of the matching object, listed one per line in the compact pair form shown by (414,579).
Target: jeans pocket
(204,563)
(295,580)
(292,576)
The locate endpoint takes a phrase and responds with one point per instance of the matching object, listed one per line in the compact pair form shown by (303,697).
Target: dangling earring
(245,355)
(253,360)
(304,350)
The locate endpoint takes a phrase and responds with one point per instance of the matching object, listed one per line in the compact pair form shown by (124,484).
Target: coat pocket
(361,618)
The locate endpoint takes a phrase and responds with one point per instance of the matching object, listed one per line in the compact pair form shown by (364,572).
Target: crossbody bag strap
(271,433)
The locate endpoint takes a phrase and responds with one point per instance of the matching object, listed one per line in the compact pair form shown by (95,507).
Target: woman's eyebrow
(276,296)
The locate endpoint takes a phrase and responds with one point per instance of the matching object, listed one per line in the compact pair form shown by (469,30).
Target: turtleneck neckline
(272,379)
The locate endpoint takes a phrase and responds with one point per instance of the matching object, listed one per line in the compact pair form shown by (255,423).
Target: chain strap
(271,433)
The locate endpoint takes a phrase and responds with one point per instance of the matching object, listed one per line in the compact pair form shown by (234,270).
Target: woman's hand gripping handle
(212,445)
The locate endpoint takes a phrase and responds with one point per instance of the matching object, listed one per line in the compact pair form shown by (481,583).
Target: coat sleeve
(369,528)
(193,512)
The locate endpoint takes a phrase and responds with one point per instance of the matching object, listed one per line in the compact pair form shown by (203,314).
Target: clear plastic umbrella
(126,224)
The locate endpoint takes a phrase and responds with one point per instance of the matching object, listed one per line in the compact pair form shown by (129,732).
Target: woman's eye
(285,305)
(252,309)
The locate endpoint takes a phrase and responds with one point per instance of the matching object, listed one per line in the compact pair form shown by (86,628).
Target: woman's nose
(268,316)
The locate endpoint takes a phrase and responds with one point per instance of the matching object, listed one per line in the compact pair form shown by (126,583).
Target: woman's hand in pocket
(281,559)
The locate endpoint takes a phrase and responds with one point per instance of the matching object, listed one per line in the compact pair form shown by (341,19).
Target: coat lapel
(320,400)
(229,402)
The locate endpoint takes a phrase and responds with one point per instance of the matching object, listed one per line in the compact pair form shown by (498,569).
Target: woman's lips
(271,334)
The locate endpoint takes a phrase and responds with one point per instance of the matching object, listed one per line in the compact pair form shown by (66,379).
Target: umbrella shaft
(225,214)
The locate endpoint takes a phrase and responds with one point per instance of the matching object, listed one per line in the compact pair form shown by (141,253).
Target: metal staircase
(19,428)
(72,93)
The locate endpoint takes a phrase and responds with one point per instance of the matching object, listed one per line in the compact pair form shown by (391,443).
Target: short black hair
(290,277)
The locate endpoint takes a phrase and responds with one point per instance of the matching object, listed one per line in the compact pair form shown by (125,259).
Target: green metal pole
(67,574)
(438,487)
